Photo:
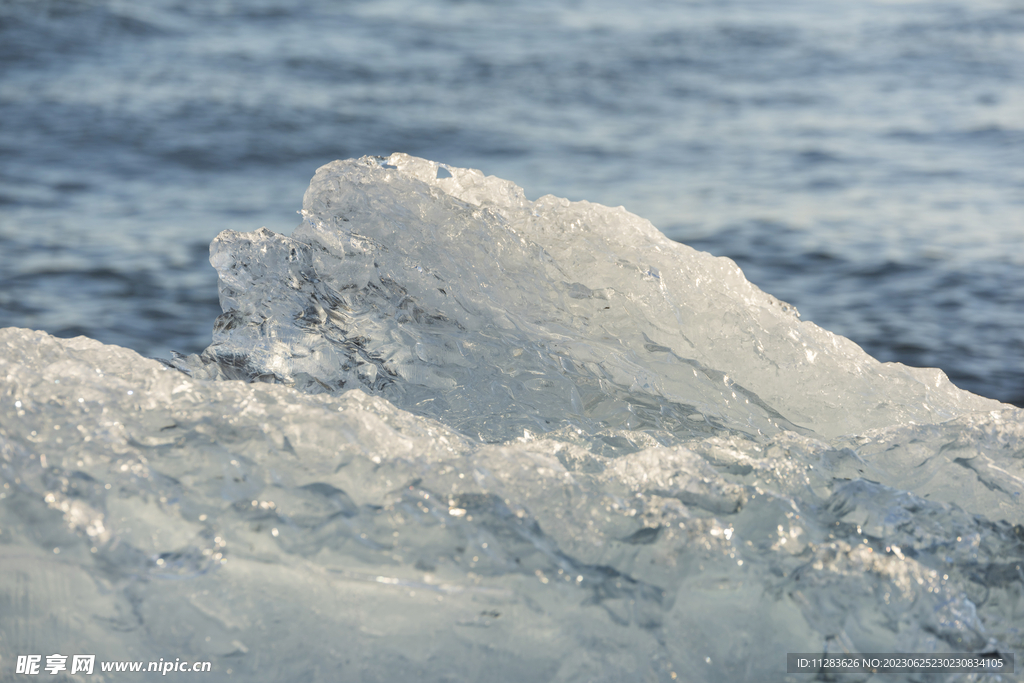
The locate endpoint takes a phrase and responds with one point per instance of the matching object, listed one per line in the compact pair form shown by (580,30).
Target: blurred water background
(862,160)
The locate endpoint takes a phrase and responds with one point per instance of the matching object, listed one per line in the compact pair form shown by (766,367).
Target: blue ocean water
(862,160)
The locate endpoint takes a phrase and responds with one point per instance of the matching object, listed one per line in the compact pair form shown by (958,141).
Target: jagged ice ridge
(485,438)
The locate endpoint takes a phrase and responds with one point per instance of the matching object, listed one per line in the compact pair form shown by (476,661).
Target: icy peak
(452,295)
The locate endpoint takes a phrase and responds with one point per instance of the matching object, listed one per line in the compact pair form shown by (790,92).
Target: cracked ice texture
(502,440)
(459,299)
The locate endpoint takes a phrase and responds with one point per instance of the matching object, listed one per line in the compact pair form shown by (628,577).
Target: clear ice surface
(484,438)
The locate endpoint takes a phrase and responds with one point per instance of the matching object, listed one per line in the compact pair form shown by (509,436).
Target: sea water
(444,432)
(859,160)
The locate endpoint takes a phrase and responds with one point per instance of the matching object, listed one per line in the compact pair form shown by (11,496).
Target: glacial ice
(456,298)
(484,438)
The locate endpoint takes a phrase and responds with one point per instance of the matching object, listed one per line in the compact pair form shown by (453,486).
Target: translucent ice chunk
(147,515)
(458,298)
(497,440)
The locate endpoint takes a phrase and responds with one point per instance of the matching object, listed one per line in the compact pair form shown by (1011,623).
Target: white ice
(484,438)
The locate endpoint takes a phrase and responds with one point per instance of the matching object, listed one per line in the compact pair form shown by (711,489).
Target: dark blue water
(861,160)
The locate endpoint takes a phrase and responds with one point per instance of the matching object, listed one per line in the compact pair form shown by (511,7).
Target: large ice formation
(484,438)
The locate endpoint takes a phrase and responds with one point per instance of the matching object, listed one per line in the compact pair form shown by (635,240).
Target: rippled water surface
(861,160)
